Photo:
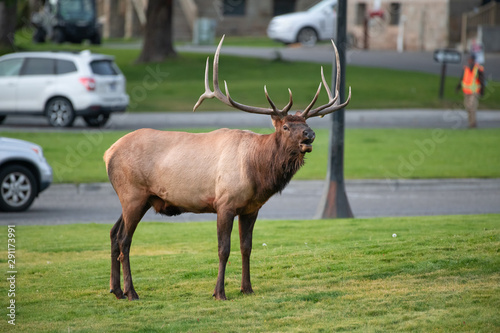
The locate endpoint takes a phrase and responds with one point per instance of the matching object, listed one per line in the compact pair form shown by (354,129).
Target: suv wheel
(307,36)
(95,39)
(59,112)
(18,188)
(58,36)
(96,121)
(39,35)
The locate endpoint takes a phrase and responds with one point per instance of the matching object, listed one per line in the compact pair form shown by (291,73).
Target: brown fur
(228,172)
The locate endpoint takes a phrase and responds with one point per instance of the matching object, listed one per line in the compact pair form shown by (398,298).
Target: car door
(9,77)
(36,78)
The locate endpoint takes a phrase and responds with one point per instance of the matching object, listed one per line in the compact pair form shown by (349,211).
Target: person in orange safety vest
(472,84)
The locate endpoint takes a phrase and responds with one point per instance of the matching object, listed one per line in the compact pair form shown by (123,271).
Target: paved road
(63,204)
(413,118)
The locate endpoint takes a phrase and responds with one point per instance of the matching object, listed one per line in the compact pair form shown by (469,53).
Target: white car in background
(61,86)
(315,24)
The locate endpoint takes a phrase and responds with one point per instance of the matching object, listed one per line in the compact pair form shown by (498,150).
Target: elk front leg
(246,224)
(224,228)
(114,281)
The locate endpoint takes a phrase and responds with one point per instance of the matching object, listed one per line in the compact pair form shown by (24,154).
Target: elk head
(294,127)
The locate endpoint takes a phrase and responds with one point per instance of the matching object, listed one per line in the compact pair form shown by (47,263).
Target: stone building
(416,25)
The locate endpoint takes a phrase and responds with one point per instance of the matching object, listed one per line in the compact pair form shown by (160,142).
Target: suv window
(103,67)
(38,66)
(65,66)
(11,67)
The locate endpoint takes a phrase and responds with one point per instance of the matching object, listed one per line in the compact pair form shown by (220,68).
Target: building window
(234,7)
(395,11)
(360,13)
(283,7)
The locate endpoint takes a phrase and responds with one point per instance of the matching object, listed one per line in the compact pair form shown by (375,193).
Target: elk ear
(277,121)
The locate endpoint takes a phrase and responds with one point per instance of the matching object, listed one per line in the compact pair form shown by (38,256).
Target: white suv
(308,27)
(61,86)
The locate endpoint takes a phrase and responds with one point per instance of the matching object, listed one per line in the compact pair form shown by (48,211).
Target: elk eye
(285,127)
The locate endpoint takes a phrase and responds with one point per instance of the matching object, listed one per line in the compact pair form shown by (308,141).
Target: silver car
(24,173)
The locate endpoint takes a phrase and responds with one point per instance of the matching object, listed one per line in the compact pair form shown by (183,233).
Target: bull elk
(228,172)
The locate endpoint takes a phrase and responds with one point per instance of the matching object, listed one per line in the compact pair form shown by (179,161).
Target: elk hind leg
(131,217)
(246,224)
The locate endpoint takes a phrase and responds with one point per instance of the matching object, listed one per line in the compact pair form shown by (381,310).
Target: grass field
(369,154)
(439,274)
(176,84)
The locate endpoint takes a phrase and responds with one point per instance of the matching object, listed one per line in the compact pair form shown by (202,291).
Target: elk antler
(331,106)
(226,99)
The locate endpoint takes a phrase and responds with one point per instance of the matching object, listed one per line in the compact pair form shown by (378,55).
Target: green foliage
(439,274)
(369,153)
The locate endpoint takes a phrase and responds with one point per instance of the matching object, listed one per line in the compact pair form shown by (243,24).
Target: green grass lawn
(439,274)
(176,84)
(369,154)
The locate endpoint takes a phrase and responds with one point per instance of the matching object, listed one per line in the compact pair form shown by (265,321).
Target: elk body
(228,172)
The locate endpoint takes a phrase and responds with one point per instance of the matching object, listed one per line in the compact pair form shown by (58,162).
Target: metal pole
(334,202)
(443,78)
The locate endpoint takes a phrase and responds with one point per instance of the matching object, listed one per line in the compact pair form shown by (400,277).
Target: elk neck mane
(273,163)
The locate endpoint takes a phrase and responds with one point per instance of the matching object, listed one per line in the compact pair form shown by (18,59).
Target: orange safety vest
(470,80)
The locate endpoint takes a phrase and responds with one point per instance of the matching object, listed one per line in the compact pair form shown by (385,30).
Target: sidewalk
(403,118)
(412,118)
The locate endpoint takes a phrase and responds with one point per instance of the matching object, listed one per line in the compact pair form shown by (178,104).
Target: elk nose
(309,134)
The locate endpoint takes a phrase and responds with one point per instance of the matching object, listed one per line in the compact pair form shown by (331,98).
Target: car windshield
(320,5)
(76,10)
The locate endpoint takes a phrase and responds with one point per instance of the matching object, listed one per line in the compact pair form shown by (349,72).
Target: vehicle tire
(2,118)
(58,36)
(95,39)
(39,35)
(96,121)
(307,36)
(18,188)
(59,112)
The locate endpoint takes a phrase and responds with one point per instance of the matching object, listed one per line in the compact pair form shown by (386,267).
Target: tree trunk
(8,18)
(158,40)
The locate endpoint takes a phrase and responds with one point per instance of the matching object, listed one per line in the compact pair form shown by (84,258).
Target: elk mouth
(306,146)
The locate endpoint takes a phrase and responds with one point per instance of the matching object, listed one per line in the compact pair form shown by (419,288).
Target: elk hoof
(131,295)
(118,293)
(247,291)
(220,297)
